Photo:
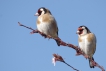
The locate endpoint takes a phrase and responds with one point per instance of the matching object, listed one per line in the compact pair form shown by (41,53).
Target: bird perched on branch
(46,23)
(87,43)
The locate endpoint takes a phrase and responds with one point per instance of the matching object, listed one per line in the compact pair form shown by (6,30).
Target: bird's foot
(94,63)
(43,35)
(49,37)
(78,52)
(86,56)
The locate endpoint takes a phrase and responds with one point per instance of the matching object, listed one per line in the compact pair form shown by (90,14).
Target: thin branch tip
(60,58)
(19,24)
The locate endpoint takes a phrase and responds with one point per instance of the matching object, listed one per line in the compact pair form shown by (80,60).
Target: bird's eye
(80,29)
(39,11)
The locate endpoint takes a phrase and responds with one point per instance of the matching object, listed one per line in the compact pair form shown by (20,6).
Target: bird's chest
(84,44)
(43,26)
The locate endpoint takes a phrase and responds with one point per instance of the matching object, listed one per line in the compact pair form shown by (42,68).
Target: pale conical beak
(36,14)
(77,32)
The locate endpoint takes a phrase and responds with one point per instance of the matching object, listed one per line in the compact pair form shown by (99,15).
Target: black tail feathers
(90,63)
(58,43)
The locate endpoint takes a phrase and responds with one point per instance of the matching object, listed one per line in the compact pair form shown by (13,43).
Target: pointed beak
(36,14)
(77,32)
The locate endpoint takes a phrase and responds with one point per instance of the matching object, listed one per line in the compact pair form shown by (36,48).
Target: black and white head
(83,30)
(42,11)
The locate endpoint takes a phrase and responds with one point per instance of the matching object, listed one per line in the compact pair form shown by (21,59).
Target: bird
(46,23)
(87,42)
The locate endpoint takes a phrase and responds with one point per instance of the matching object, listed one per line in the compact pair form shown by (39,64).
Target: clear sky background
(22,51)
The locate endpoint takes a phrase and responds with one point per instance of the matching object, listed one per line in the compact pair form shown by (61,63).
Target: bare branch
(78,50)
(59,58)
(25,26)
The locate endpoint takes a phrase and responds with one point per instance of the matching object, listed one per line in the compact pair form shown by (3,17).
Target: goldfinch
(87,42)
(46,23)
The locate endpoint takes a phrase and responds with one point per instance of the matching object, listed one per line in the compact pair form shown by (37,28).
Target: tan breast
(38,22)
(79,39)
(90,37)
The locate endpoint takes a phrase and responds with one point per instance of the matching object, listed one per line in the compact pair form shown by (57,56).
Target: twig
(25,26)
(70,66)
(59,58)
(79,52)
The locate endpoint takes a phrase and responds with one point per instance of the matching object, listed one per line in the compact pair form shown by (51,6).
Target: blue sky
(21,51)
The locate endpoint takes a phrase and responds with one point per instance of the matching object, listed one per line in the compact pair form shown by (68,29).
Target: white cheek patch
(42,12)
(83,27)
(84,32)
(41,9)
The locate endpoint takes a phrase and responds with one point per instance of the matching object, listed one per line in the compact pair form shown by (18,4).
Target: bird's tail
(58,43)
(90,63)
